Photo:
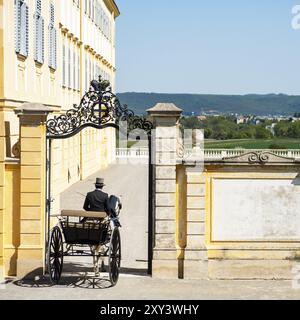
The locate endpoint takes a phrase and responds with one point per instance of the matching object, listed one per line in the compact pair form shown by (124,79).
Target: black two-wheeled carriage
(88,234)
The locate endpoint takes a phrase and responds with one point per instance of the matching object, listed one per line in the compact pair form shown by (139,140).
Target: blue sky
(208,46)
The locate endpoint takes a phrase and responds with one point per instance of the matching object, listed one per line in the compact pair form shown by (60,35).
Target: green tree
(263,133)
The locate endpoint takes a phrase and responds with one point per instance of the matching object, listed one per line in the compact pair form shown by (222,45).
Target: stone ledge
(251,269)
(196,255)
(164,255)
(165,269)
(195,270)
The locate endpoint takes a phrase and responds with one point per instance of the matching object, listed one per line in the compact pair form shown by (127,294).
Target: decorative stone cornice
(70,35)
(33,109)
(262,158)
(63,29)
(112,6)
(165,109)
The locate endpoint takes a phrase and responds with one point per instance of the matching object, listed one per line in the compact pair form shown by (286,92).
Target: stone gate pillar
(31,251)
(165,118)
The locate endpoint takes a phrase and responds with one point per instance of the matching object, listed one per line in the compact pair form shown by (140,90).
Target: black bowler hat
(100,182)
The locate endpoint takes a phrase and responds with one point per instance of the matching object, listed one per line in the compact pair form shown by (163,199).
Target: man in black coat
(97,200)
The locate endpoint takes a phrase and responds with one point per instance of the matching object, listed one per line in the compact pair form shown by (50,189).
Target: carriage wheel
(55,255)
(114,257)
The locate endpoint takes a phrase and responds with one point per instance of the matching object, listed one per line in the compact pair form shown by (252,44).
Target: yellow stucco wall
(11,219)
(2,133)
(2,179)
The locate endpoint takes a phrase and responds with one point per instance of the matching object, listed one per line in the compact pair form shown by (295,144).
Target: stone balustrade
(125,153)
(209,154)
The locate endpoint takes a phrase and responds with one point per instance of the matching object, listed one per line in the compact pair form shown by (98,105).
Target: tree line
(225,128)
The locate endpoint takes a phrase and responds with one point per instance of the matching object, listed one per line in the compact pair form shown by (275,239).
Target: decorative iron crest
(99,108)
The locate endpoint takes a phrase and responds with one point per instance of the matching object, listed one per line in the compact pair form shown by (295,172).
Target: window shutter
(78,71)
(52,19)
(36,37)
(39,39)
(39,33)
(74,69)
(90,72)
(102,17)
(24,30)
(54,52)
(64,65)
(85,73)
(69,67)
(38,6)
(26,38)
(42,45)
(17,26)
(52,39)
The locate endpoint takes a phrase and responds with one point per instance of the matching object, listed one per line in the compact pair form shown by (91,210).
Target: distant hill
(270,104)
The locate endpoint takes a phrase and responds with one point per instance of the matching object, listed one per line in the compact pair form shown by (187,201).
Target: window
(78,71)
(74,69)
(90,8)
(77,3)
(52,39)
(21,28)
(39,33)
(64,65)
(90,73)
(86,6)
(69,67)
(86,74)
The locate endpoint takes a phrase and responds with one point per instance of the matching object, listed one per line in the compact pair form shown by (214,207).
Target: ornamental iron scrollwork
(99,108)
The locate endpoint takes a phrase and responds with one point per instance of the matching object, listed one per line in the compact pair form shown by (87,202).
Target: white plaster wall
(256,210)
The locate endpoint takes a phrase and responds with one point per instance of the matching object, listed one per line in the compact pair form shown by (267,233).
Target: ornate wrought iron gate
(99,109)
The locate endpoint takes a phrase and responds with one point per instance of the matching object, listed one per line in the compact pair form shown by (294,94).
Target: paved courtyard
(132,287)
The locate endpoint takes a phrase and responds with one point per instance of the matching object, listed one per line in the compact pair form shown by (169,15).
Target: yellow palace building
(50,51)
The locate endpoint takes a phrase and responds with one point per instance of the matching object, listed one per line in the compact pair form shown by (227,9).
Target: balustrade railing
(209,154)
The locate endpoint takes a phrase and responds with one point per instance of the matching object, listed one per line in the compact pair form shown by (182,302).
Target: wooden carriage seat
(83,214)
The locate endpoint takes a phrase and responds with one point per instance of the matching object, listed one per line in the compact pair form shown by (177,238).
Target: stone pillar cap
(33,109)
(165,109)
